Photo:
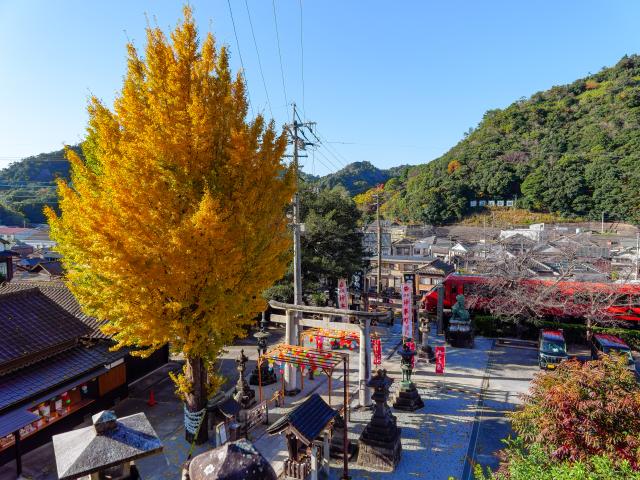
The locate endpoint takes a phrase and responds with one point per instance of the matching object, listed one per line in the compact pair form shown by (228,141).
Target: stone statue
(458,312)
(459,333)
(406,360)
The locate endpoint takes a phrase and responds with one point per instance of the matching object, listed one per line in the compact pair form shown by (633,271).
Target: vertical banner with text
(407,310)
(343,301)
(441,359)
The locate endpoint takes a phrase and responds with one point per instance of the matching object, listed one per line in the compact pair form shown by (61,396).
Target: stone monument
(407,399)
(379,444)
(245,396)
(267,373)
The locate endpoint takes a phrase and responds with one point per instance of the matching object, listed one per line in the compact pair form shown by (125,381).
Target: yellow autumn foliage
(174,222)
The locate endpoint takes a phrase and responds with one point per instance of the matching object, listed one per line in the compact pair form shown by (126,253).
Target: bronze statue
(458,312)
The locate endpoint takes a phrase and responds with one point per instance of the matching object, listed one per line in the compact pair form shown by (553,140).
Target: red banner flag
(407,314)
(376,345)
(441,360)
(412,346)
(342,294)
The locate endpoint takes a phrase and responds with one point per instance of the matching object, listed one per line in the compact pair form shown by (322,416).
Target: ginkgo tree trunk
(174,220)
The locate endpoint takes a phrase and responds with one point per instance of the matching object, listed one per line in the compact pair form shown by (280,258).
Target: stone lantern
(379,444)
(245,396)
(408,399)
(267,373)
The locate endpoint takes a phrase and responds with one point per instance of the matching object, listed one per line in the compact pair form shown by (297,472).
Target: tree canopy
(331,244)
(174,222)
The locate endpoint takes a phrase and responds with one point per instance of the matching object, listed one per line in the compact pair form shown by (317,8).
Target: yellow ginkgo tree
(174,220)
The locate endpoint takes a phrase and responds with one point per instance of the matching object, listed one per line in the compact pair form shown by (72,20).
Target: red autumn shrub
(584,409)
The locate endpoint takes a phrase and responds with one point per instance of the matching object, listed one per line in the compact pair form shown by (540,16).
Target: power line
(264,84)
(275,21)
(321,142)
(336,154)
(235,33)
(304,112)
(333,165)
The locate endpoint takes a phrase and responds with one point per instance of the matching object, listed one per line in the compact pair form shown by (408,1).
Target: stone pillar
(440,309)
(364,363)
(314,462)
(291,337)
(325,451)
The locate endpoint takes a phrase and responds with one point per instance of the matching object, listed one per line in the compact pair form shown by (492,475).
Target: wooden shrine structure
(296,317)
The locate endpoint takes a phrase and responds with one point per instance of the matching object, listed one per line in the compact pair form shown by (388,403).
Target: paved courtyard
(463,416)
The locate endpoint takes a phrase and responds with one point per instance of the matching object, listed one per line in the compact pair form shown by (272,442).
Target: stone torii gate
(294,320)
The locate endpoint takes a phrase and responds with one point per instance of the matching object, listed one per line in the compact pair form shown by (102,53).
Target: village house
(427,271)
(55,365)
(370,243)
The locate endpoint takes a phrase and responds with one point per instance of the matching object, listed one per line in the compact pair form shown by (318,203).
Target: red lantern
(319,341)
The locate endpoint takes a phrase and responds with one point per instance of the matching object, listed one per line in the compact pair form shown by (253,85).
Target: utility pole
(602,224)
(298,142)
(379,276)
(637,254)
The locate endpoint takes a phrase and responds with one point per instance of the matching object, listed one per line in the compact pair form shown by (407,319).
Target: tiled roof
(59,293)
(437,267)
(40,377)
(31,322)
(52,268)
(308,419)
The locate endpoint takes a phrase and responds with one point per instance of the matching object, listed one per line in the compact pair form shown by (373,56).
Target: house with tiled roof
(55,365)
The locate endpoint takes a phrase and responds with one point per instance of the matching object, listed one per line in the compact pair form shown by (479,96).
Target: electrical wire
(235,33)
(275,21)
(264,84)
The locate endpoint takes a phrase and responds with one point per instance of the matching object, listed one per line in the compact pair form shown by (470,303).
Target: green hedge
(576,332)
(491,326)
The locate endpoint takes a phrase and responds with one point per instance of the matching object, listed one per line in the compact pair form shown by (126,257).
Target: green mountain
(358,177)
(572,150)
(28,185)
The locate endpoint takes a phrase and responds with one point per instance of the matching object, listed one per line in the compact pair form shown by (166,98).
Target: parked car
(552,349)
(602,343)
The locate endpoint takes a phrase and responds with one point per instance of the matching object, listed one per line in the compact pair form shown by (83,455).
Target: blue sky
(391,82)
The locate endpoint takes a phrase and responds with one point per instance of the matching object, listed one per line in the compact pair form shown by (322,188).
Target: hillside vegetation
(573,150)
(358,177)
(27,186)
(503,217)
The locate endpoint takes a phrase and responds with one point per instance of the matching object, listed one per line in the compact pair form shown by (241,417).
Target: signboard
(410,278)
(491,203)
(407,310)
(343,301)
(357,281)
(441,359)
(256,415)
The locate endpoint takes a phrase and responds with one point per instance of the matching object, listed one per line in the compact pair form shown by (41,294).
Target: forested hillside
(572,150)
(27,186)
(358,177)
